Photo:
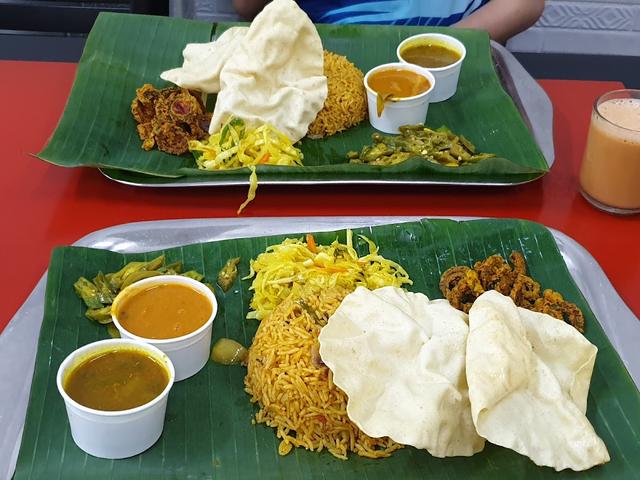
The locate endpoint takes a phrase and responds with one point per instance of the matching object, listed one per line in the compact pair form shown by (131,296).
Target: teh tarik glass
(610,172)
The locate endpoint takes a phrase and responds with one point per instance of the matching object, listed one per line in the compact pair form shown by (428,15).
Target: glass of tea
(610,172)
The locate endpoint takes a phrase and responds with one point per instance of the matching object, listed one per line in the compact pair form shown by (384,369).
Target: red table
(45,205)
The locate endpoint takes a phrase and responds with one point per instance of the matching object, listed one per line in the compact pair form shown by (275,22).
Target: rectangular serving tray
(18,341)
(530,99)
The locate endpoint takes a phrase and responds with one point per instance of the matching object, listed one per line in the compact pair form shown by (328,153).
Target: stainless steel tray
(530,99)
(18,342)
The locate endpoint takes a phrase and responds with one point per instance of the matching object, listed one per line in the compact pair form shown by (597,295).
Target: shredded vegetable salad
(236,146)
(295,262)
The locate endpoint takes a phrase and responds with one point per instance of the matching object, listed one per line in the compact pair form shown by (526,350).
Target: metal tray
(530,99)
(18,342)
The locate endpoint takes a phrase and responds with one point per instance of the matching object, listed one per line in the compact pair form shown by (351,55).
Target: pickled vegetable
(100,315)
(113,331)
(118,278)
(197,276)
(88,292)
(440,146)
(100,294)
(137,276)
(228,352)
(105,293)
(228,274)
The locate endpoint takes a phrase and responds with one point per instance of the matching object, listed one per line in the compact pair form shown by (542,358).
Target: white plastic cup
(401,111)
(189,353)
(446,77)
(115,434)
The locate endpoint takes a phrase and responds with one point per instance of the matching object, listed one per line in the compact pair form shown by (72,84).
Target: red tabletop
(45,206)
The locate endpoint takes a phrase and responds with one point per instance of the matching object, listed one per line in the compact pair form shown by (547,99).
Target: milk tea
(610,172)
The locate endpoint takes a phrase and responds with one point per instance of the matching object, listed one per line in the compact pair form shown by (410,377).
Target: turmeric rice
(294,389)
(346,103)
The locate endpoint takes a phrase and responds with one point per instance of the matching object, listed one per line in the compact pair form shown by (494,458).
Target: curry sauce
(430,54)
(116,380)
(164,311)
(398,83)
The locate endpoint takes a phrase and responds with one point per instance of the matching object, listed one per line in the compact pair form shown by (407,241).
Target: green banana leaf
(208,431)
(124,51)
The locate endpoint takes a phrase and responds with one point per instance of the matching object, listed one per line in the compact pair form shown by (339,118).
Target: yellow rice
(346,103)
(294,389)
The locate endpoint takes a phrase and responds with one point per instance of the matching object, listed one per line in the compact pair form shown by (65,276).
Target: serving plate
(498,106)
(18,341)
(532,103)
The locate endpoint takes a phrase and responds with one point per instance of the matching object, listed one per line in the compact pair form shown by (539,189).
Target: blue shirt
(397,12)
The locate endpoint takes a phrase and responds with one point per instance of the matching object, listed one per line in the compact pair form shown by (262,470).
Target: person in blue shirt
(501,18)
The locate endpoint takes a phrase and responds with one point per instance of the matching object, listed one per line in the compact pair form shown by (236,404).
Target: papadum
(528,376)
(400,358)
(203,62)
(276,73)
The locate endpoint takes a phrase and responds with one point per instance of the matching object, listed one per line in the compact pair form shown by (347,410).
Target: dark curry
(430,54)
(116,380)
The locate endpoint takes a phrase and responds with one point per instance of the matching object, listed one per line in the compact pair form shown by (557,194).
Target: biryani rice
(294,389)
(346,103)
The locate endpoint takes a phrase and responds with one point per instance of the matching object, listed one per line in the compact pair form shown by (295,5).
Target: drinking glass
(610,171)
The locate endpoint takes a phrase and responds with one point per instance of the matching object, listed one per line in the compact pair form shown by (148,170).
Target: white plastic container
(189,353)
(115,434)
(446,77)
(402,111)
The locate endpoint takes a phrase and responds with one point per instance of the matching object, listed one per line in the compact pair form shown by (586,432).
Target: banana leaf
(208,431)
(124,51)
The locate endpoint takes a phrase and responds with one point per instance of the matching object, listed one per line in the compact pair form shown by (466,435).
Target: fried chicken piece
(188,108)
(145,132)
(185,107)
(518,263)
(552,303)
(203,122)
(461,286)
(171,138)
(508,278)
(525,291)
(147,93)
(142,112)
(162,105)
(143,106)
(169,118)
(495,274)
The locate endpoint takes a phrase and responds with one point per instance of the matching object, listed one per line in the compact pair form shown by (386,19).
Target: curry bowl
(102,375)
(440,54)
(398,111)
(171,312)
